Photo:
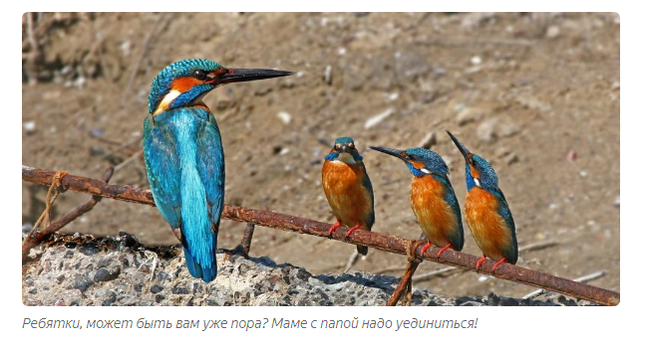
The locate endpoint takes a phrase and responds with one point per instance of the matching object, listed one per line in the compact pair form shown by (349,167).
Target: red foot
(353,229)
(425,247)
(334,227)
(443,250)
(498,264)
(478,264)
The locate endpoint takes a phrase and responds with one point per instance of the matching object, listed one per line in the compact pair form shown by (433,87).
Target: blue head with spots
(419,161)
(344,150)
(478,171)
(185,82)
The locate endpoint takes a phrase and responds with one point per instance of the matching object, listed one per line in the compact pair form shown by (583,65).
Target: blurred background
(536,94)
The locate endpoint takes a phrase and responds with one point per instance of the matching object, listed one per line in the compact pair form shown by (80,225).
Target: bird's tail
(207,272)
(362,250)
(199,237)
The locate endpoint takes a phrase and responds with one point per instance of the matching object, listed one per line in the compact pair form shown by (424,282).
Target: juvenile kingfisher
(486,210)
(184,157)
(433,199)
(348,189)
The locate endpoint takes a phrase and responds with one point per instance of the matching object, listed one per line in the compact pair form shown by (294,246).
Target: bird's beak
(234,75)
(466,153)
(392,152)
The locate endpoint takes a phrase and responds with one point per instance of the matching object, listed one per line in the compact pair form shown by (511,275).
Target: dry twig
(136,66)
(405,284)
(586,278)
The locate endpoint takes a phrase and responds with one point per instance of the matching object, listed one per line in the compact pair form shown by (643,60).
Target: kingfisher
(184,157)
(433,199)
(348,189)
(486,210)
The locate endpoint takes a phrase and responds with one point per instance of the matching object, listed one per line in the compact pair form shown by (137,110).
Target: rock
(29,126)
(486,131)
(327,75)
(53,279)
(571,155)
(553,31)
(468,115)
(410,65)
(353,78)
(428,140)
(511,158)
(508,128)
(474,20)
(502,152)
(476,60)
(529,101)
(285,117)
(106,275)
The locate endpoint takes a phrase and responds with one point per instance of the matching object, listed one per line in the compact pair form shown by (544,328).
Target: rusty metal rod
(379,241)
(248,237)
(60,223)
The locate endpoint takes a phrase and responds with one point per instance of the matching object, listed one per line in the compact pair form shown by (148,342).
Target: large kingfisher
(184,157)
(348,189)
(433,199)
(487,211)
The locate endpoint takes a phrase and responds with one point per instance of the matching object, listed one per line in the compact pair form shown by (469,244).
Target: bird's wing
(370,220)
(504,211)
(450,198)
(163,171)
(211,168)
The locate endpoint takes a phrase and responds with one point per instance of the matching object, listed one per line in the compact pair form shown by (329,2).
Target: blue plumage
(186,171)
(184,157)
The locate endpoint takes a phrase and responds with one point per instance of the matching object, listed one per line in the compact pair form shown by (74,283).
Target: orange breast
(348,198)
(435,216)
(488,227)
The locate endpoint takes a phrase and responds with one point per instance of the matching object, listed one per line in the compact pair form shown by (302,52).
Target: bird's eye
(199,74)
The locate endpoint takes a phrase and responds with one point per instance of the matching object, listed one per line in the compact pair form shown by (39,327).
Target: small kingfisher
(184,157)
(348,189)
(433,199)
(487,211)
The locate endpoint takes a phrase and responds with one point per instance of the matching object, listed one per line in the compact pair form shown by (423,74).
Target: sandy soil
(535,94)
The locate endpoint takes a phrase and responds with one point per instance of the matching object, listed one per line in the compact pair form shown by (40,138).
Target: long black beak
(235,75)
(389,151)
(466,153)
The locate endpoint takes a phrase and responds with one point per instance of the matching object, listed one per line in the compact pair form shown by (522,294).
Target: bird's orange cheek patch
(473,172)
(184,84)
(417,165)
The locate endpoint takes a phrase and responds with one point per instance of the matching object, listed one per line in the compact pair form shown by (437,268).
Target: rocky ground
(118,270)
(537,94)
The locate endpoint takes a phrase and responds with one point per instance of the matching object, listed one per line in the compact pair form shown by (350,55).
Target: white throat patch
(164,104)
(477,182)
(347,158)
(425,171)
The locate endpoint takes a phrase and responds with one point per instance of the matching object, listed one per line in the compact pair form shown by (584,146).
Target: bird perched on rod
(348,189)
(486,210)
(184,157)
(433,199)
